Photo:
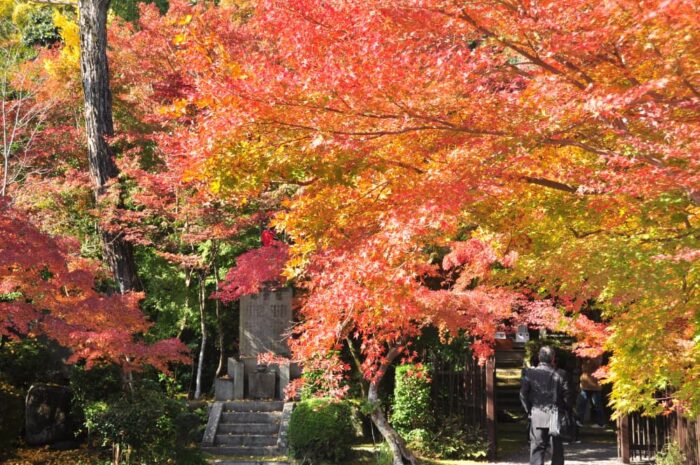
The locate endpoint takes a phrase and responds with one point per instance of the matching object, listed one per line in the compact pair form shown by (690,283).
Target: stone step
(243,452)
(248,428)
(246,440)
(508,383)
(501,401)
(242,461)
(253,406)
(250,417)
(508,393)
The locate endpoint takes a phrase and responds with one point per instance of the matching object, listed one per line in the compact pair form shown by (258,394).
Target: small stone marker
(523,334)
(261,385)
(235,371)
(223,389)
(47,415)
(212,423)
(284,372)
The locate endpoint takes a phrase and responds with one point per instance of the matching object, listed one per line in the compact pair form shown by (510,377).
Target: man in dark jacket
(543,390)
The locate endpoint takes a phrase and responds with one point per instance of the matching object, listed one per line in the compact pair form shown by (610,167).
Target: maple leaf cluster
(48,289)
(254,270)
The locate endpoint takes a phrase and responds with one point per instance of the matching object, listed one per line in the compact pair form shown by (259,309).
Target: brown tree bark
(402,455)
(92,19)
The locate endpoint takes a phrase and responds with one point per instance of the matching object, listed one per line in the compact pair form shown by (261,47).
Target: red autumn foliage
(50,290)
(254,270)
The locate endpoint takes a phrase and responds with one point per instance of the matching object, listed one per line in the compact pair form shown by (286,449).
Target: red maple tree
(48,289)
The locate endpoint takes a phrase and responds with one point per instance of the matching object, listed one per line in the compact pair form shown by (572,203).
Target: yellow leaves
(236,71)
(215,186)
(299,254)
(20,14)
(66,67)
(70,34)
(179,39)
(185,20)
(178,108)
(6,9)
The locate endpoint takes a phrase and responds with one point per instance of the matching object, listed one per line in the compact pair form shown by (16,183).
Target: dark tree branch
(551,184)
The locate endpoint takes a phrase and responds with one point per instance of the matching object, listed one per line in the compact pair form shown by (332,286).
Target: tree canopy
(469,166)
(427,140)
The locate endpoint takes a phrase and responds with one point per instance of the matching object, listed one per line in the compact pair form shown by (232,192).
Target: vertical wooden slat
(697,441)
(651,446)
(623,435)
(657,436)
(634,439)
(680,432)
(491,405)
(619,438)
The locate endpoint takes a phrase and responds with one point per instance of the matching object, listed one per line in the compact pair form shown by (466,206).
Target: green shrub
(419,440)
(147,427)
(411,409)
(671,455)
(453,440)
(27,361)
(384,456)
(40,29)
(321,431)
(11,414)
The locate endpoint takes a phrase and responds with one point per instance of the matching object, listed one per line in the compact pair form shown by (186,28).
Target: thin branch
(551,184)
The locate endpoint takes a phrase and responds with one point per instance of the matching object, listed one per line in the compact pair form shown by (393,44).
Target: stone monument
(265,320)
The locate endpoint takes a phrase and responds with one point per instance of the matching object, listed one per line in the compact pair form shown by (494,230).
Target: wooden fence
(640,437)
(687,433)
(466,389)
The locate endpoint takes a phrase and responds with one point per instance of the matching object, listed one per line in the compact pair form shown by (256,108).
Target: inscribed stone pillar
(265,319)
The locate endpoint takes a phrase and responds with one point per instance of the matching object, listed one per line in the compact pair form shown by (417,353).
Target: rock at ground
(47,415)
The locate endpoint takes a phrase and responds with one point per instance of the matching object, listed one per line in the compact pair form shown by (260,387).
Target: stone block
(212,423)
(223,389)
(282,372)
(261,385)
(47,415)
(282,379)
(236,370)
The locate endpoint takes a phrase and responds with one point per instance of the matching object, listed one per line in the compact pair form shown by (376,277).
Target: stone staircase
(247,432)
(509,367)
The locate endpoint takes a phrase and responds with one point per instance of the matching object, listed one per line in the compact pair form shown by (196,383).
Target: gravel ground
(575,454)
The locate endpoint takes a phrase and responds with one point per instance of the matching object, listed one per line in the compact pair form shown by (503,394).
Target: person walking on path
(592,391)
(542,391)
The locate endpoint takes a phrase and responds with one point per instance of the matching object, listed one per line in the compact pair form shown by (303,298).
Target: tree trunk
(200,362)
(401,454)
(92,19)
(221,368)
(358,365)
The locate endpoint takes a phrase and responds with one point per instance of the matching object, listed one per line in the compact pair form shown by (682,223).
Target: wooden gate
(466,389)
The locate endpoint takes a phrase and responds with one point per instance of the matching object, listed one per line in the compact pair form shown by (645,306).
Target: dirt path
(575,454)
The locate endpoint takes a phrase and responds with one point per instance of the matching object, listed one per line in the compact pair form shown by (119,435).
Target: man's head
(546,355)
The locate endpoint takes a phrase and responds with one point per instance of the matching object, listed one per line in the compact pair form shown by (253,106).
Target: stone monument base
(248,381)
